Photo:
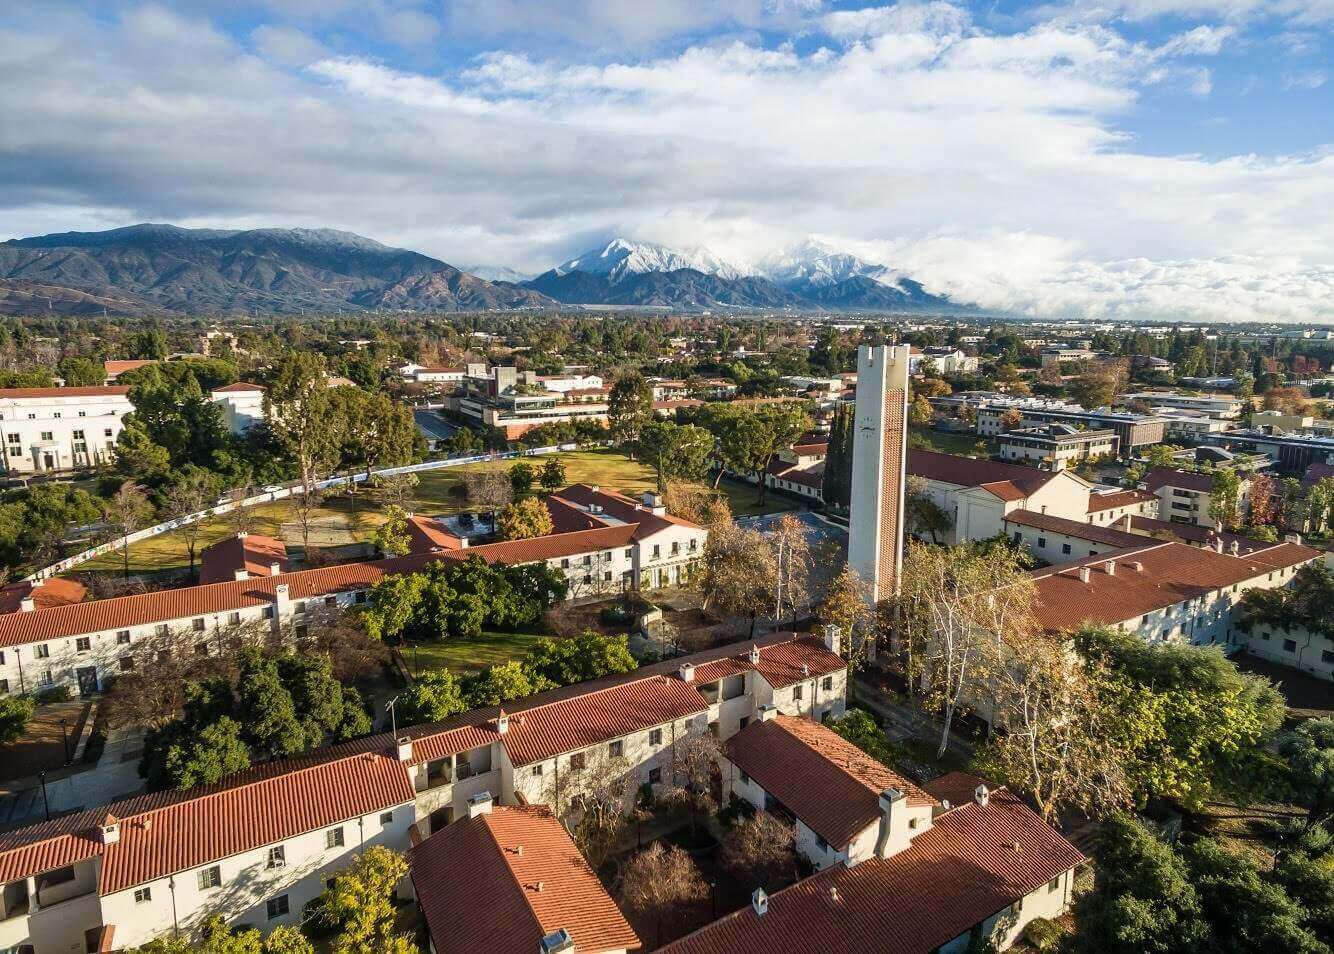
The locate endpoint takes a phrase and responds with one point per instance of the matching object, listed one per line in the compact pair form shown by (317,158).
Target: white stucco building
(58,429)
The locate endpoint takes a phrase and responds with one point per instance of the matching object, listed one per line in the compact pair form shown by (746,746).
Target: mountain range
(144,269)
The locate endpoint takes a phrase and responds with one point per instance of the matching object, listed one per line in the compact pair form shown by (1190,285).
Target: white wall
(98,419)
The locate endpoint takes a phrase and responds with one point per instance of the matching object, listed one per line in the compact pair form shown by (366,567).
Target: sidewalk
(77,787)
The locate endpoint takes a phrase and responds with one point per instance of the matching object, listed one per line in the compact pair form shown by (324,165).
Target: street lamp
(64,737)
(41,777)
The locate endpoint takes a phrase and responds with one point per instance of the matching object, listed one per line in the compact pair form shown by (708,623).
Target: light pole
(64,737)
(41,777)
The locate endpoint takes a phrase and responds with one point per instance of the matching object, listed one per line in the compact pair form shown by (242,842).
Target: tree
(300,410)
(1098,385)
(81,372)
(215,937)
(306,504)
(15,714)
(391,537)
(658,880)
(432,697)
(780,426)
(920,412)
(267,710)
(846,605)
(698,504)
(692,772)
(760,850)
(522,477)
(502,683)
(525,519)
(552,475)
(360,905)
(127,511)
(489,490)
(738,571)
(836,489)
(1225,498)
(925,516)
(859,728)
(394,489)
(590,655)
(629,408)
(792,559)
(1266,500)
(675,451)
(1309,751)
(180,758)
(194,491)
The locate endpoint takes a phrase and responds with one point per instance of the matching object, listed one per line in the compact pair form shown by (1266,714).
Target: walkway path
(76,787)
(904,722)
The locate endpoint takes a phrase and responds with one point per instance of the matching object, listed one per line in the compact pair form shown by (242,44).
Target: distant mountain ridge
(158,268)
(152,267)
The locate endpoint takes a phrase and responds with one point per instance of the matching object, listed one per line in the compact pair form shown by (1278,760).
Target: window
(606,577)
(1042,542)
(629,552)
(1065,548)
(386,818)
(123,638)
(655,737)
(15,451)
(828,683)
(78,435)
(201,649)
(106,432)
(4,685)
(537,770)
(654,776)
(1054,884)
(41,651)
(126,663)
(616,748)
(359,596)
(797,692)
(277,906)
(210,878)
(14,439)
(143,895)
(277,857)
(1289,645)
(657,551)
(588,559)
(198,624)
(588,579)
(47,435)
(333,838)
(56,415)
(820,841)
(83,644)
(745,779)
(1327,657)
(331,601)
(577,762)
(233,619)
(565,563)
(83,414)
(1018,536)
(160,629)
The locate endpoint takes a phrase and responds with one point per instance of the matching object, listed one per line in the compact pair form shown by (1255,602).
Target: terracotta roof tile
(1074,528)
(1191,533)
(252,552)
(239,387)
(53,592)
(956,874)
(426,535)
(826,781)
(1124,498)
(8,394)
(780,664)
(975,472)
(527,870)
(1167,477)
(957,788)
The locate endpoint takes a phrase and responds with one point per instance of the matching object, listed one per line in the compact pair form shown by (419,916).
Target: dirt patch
(42,748)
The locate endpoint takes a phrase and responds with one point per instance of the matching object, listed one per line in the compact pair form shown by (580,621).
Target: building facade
(879,465)
(48,430)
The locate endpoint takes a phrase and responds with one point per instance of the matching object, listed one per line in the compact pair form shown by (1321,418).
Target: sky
(1110,158)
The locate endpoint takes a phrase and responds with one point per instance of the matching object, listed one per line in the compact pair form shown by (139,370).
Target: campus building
(994,417)
(880,442)
(260,845)
(242,405)
(603,542)
(49,430)
(1055,446)
(1184,496)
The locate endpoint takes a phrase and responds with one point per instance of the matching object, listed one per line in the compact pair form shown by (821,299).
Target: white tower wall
(879,465)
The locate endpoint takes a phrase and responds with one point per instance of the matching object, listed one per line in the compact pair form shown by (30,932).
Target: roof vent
(768,713)
(502,723)
(404,748)
(27,604)
(1234,547)
(805,669)
(1083,574)
(833,893)
(754,655)
(241,573)
(109,833)
(1110,567)
(981,795)
(759,901)
(557,942)
(1016,846)
(687,671)
(1135,565)
(275,569)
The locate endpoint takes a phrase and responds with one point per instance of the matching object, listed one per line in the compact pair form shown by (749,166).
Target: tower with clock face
(879,468)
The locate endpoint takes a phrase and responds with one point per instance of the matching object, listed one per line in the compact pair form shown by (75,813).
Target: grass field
(460,655)
(336,523)
(964,445)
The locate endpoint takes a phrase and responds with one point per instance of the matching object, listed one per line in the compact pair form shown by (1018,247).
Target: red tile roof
(1124,498)
(975,472)
(1074,528)
(426,534)
(1191,533)
(550,547)
(45,594)
(621,507)
(957,873)
(525,879)
(114,368)
(826,781)
(10,394)
(240,387)
(957,788)
(780,663)
(252,552)
(1171,573)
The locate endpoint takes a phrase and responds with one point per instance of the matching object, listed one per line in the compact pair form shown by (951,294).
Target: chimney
(1110,567)
(109,832)
(1234,548)
(1083,574)
(557,942)
(275,569)
(27,604)
(759,902)
(653,503)
(1135,565)
(754,655)
(282,605)
(1218,544)
(36,583)
(687,671)
(241,573)
(1292,538)
(833,640)
(479,804)
(502,723)
(463,543)
(767,713)
(981,795)
(241,534)
(404,749)
(892,804)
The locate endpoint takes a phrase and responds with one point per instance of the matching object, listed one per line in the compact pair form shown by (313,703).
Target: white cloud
(992,166)
(1307,79)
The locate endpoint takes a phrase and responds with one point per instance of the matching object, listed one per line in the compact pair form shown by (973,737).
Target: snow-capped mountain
(813,264)
(621,258)
(497,273)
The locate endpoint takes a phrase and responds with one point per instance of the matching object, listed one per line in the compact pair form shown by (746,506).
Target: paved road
(115,777)
(433,425)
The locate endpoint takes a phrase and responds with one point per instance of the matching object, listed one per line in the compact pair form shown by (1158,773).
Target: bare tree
(191,495)
(738,573)
(127,511)
(698,504)
(847,605)
(792,559)
(694,780)
(394,489)
(241,517)
(594,802)
(489,490)
(658,880)
(760,850)
(306,503)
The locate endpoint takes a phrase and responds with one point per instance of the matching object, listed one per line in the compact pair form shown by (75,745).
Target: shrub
(1043,934)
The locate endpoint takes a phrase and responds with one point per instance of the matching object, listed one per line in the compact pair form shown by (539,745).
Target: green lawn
(459,655)
(964,445)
